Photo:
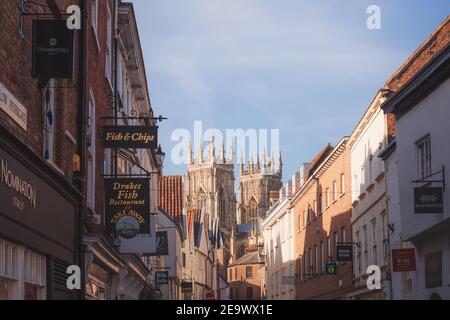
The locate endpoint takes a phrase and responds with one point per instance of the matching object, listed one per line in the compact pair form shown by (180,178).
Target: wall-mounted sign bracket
(25,11)
(427,178)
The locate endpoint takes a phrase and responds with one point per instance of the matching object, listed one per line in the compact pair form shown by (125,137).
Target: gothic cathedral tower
(256,182)
(210,185)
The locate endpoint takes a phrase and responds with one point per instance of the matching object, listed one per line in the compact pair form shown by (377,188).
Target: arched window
(253,210)
(221,205)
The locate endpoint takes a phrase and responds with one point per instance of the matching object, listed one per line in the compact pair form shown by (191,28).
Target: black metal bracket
(425,179)
(134,115)
(349,243)
(23,11)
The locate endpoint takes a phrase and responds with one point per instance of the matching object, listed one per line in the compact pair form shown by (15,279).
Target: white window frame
(94,21)
(423,146)
(91,152)
(108,54)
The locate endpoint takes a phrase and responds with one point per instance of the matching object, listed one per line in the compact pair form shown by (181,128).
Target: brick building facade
(322,210)
(246,277)
(39,131)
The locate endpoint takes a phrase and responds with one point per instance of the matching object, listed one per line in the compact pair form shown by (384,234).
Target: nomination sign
(134,137)
(127,207)
(52,50)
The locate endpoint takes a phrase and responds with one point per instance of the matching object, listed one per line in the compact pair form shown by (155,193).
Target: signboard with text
(186,287)
(428,200)
(162,244)
(134,137)
(12,107)
(162,277)
(52,50)
(127,207)
(344,252)
(403,260)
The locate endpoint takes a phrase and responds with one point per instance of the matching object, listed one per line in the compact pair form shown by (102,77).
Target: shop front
(38,226)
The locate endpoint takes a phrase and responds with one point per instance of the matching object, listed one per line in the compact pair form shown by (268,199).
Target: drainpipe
(82,83)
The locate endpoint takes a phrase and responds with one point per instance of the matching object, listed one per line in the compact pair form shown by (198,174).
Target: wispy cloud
(265,63)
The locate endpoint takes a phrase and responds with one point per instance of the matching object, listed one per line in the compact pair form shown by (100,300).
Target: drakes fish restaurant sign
(127,207)
(135,137)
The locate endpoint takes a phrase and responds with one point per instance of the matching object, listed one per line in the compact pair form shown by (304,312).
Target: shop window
(22,273)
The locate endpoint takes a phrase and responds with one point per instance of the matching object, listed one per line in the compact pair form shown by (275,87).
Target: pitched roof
(435,43)
(323,153)
(245,228)
(171,195)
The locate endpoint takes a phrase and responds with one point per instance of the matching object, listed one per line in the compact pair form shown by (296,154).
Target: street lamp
(160,155)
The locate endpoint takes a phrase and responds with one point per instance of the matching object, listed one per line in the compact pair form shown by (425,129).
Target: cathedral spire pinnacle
(212,150)
(200,152)
(272,163)
(231,153)
(222,158)
(241,162)
(189,155)
(263,166)
(280,166)
(257,162)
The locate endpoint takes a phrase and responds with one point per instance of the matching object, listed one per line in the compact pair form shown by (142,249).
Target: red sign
(403,260)
(210,296)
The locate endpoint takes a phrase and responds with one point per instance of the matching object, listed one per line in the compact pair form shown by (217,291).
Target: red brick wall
(238,285)
(323,225)
(15,75)
(98,85)
(435,43)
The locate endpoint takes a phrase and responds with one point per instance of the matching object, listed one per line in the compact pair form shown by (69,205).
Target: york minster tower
(210,185)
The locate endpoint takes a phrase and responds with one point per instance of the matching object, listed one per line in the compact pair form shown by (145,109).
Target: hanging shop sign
(127,207)
(330,269)
(186,287)
(162,244)
(428,200)
(144,244)
(52,50)
(162,277)
(134,137)
(403,260)
(344,252)
(12,107)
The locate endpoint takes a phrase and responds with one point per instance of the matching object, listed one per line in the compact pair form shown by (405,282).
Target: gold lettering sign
(139,137)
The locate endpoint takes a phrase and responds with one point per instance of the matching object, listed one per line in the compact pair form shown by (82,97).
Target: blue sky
(309,68)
